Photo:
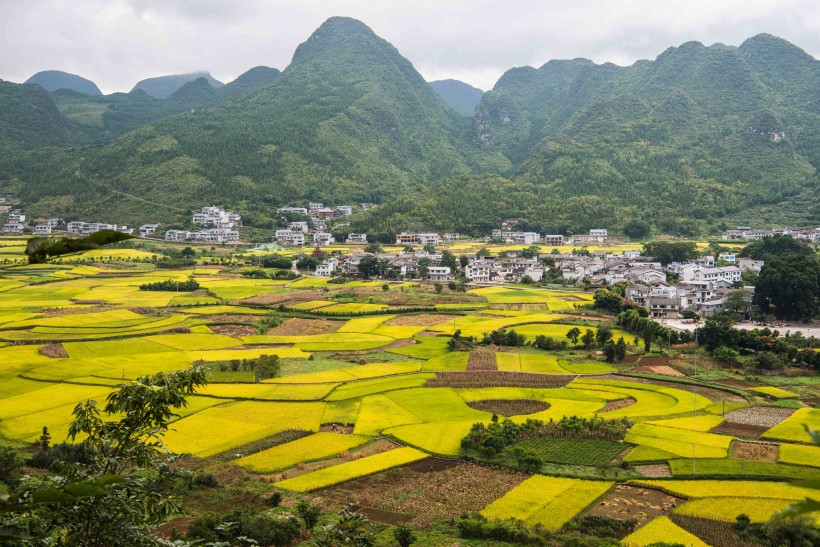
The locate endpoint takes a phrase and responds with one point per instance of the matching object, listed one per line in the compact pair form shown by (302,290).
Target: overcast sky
(115,43)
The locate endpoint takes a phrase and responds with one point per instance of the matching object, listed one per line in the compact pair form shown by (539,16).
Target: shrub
(308,513)
(602,526)
(404,535)
(10,462)
(275,498)
(63,452)
(205,479)
(727,355)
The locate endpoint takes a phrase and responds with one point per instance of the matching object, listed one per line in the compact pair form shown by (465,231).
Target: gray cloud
(118,42)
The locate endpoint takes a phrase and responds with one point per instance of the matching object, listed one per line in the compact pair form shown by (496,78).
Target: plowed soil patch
(618,404)
(643,504)
(759,452)
(456,488)
(234,330)
(274,299)
(765,416)
(739,430)
(509,407)
(304,327)
(420,320)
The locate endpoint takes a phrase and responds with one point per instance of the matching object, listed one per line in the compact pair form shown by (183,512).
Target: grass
(792,429)
(775,392)
(315,447)
(351,470)
(800,455)
(728,489)
(231,425)
(548,501)
(738,468)
(662,530)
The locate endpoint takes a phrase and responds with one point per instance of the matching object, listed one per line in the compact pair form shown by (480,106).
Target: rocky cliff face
(481,127)
(767,124)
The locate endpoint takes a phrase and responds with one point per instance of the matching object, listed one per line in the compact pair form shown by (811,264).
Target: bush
(727,355)
(601,526)
(478,527)
(10,462)
(308,513)
(404,535)
(63,452)
(275,498)
(205,479)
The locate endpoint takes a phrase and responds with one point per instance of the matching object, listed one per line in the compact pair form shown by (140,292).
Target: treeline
(170,285)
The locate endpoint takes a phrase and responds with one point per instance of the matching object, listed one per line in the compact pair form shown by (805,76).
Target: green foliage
(775,246)
(503,337)
(602,526)
(126,487)
(40,249)
(351,529)
(10,463)
(478,527)
(675,251)
(171,285)
(791,285)
(404,535)
(309,513)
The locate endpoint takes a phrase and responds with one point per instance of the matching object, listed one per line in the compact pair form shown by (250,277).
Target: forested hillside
(693,141)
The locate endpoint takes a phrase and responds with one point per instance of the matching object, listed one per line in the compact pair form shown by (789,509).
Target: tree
(374,248)
(718,331)
(573,334)
(791,285)
(483,252)
(448,259)
(609,351)
(266,366)
(588,339)
(45,439)
(648,335)
(188,252)
(637,229)
(738,302)
(604,335)
(126,488)
(675,251)
(369,265)
(608,300)
(530,252)
(309,513)
(774,246)
(439,287)
(352,529)
(620,350)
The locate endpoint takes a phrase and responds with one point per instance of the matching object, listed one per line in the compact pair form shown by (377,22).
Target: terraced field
(69,333)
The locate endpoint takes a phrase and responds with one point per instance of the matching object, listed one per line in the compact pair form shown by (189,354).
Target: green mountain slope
(349,120)
(461,97)
(163,87)
(52,80)
(254,77)
(697,139)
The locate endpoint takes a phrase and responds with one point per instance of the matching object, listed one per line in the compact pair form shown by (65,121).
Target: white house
(327,267)
(42,229)
(12,228)
(356,238)
(439,273)
(428,239)
(554,240)
(148,229)
(322,238)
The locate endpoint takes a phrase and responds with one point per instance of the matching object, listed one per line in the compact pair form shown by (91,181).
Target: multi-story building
(287,236)
(356,238)
(299,226)
(428,239)
(439,273)
(555,240)
(405,238)
(148,229)
(343,211)
(327,267)
(12,228)
(321,239)
(42,229)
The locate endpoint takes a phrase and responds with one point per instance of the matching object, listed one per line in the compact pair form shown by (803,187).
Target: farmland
(367,393)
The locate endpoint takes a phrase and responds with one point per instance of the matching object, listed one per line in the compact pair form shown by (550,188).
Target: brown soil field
(234,330)
(509,407)
(618,404)
(425,491)
(655,470)
(420,320)
(759,452)
(765,416)
(481,359)
(304,327)
(274,299)
(55,350)
(643,504)
(230,318)
(739,430)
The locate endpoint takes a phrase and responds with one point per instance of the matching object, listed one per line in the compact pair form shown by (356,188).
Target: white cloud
(118,42)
